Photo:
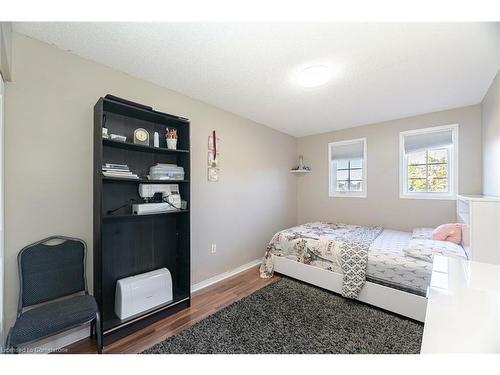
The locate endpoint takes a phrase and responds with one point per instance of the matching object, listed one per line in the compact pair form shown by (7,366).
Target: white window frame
(452,166)
(332,175)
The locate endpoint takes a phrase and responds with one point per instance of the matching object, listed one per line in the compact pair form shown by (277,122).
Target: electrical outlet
(214,248)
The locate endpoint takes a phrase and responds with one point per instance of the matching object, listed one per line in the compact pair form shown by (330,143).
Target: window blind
(428,140)
(348,151)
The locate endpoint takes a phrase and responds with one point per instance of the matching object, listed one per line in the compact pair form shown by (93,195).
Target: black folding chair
(53,286)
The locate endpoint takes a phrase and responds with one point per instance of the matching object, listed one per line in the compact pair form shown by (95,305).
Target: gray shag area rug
(290,317)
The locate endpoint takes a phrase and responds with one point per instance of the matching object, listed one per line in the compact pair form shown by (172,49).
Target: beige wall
(383,205)
(48,185)
(491,139)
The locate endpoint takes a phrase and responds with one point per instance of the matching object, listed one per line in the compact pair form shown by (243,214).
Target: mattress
(388,265)
(319,245)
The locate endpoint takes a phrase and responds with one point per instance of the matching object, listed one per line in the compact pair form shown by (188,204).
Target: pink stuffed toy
(448,232)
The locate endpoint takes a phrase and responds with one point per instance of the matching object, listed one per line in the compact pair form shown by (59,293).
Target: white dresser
(481,233)
(463,308)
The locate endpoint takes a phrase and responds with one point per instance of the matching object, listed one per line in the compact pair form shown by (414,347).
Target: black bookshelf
(126,244)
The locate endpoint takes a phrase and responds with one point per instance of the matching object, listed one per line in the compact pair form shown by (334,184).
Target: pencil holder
(171,143)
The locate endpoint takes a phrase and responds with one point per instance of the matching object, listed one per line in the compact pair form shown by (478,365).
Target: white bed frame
(394,300)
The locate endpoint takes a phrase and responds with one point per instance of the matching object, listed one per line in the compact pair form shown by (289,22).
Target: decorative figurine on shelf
(301,166)
(156,139)
(301,162)
(141,137)
(104,128)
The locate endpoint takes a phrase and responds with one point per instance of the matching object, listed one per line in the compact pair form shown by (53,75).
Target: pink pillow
(448,232)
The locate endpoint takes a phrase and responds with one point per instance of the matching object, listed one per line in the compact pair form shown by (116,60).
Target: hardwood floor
(204,303)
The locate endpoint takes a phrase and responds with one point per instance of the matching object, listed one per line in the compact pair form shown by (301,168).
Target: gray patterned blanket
(340,248)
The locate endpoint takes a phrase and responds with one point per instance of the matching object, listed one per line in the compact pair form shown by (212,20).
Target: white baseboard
(225,275)
(63,339)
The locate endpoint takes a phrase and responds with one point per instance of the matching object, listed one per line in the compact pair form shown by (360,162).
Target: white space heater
(139,293)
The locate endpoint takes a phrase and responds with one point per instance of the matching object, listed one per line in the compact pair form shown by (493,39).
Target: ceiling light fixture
(314,76)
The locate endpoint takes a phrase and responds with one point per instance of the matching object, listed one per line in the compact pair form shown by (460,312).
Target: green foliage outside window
(428,171)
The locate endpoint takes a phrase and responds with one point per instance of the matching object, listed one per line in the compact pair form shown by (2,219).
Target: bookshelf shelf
(134,216)
(141,148)
(142,180)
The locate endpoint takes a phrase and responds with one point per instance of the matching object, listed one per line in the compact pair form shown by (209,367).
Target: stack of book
(118,170)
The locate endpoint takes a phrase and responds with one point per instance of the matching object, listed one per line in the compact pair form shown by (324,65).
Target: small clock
(141,137)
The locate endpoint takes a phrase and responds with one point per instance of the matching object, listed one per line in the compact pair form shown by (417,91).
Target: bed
(369,264)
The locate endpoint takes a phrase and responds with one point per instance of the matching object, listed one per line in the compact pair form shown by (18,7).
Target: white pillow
(422,233)
(426,249)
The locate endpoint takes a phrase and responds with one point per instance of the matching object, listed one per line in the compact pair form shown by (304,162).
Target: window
(347,168)
(429,163)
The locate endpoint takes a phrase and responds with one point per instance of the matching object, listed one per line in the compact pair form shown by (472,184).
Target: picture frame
(211,161)
(213,174)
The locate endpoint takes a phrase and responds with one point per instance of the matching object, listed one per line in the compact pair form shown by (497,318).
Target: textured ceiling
(383,71)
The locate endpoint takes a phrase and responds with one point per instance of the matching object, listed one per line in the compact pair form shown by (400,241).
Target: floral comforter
(336,247)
